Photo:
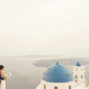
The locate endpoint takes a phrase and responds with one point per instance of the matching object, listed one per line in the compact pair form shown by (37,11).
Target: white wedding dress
(3,84)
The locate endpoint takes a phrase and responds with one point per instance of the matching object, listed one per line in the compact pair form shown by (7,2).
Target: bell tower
(78,73)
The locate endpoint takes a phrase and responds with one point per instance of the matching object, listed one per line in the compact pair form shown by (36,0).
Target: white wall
(51,85)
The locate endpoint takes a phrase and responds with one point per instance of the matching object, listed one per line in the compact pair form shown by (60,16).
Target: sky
(44,27)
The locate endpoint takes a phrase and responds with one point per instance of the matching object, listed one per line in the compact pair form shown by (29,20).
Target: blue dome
(58,73)
(78,64)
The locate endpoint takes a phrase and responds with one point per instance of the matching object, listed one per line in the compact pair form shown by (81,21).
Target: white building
(60,77)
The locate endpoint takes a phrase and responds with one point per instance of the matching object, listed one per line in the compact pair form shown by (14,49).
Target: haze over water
(45,27)
(51,27)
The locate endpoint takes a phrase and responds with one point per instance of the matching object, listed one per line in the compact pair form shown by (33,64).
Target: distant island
(65,61)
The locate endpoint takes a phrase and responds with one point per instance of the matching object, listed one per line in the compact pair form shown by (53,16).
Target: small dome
(78,64)
(58,73)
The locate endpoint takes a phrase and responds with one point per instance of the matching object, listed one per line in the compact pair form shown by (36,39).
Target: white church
(60,77)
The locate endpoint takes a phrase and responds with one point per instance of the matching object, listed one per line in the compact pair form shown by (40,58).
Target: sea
(27,71)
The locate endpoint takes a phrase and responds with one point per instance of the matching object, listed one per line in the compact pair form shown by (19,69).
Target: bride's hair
(1,66)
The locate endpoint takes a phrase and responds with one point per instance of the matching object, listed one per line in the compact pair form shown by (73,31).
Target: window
(69,87)
(75,80)
(76,76)
(55,87)
(44,86)
(81,76)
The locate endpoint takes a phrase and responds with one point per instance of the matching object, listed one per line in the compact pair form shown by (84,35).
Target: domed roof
(78,64)
(58,73)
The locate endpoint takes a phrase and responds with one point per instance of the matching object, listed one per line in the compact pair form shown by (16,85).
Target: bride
(3,78)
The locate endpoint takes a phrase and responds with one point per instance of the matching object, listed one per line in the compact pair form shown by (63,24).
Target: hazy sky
(57,27)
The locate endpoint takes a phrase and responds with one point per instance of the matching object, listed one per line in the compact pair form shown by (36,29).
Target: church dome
(58,73)
(78,64)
